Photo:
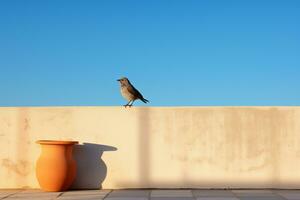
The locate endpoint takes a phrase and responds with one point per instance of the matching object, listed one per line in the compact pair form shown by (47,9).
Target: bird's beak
(118,79)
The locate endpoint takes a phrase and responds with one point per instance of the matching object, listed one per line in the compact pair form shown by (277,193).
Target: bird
(129,92)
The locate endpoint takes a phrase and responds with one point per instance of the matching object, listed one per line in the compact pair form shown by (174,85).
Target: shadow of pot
(91,169)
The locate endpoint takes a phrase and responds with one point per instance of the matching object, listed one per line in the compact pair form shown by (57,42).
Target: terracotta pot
(56,168)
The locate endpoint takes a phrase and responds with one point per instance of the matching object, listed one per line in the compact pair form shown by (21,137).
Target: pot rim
(57,142)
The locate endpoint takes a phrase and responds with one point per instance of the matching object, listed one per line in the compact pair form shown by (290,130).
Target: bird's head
(123,81)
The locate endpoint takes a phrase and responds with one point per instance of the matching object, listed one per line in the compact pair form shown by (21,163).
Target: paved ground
(153,194)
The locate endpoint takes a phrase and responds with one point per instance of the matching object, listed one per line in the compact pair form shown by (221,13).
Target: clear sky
(177,53)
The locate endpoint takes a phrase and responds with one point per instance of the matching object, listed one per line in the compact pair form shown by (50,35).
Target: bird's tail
(144,100)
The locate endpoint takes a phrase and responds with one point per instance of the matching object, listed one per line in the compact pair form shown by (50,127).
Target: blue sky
(177,53)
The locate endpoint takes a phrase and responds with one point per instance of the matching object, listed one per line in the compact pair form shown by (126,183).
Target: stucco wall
(153,147)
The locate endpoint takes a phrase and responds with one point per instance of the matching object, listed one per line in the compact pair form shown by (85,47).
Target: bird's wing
(135,92)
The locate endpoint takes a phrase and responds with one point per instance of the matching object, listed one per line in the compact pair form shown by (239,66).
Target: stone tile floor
(184,194)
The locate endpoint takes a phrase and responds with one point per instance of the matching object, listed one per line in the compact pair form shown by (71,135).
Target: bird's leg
(127,104)
(131,103)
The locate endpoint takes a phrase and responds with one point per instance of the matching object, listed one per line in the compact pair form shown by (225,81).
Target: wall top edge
(139,107)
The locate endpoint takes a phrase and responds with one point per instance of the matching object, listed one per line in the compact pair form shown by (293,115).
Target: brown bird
(129,92)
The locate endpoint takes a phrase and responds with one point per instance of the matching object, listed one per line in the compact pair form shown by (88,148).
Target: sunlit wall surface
(158,147)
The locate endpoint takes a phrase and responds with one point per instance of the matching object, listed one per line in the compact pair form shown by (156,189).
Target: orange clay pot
(55,168)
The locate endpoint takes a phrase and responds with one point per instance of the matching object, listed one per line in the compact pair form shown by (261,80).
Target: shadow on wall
(144,147)
(91,169)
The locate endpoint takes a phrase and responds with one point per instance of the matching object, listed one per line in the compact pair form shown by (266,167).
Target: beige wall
(153,147)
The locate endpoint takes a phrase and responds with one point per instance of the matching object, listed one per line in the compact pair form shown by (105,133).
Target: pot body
(56,168)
